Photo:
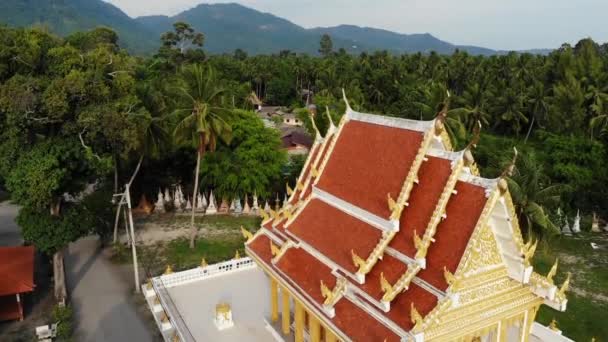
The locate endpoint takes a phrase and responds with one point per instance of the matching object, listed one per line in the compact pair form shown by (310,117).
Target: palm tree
(203,119)
(532,194)
(473,107)
(539,104)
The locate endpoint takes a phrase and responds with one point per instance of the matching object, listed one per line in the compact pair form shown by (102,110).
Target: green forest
(80,111)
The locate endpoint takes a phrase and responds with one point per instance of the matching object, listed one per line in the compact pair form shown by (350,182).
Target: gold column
(314,329)
(285,311)
(527,324)
(274,300)
(299,321)
(502,330)
(330,336)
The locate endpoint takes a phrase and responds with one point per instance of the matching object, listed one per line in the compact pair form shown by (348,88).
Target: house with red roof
(16,279)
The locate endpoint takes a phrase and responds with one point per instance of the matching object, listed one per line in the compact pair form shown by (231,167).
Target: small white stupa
(211,208)
(246,208)
(188,205)
(566,227)
(595,224)
(167,196)
(200,206)
(177,204)
(238,209)
(159,206)
(232,205)
(576,227)
(267,207)
(285,201)
(256,207)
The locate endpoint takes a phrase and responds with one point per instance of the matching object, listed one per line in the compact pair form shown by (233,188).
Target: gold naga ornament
(264,215)
(246,234)
(416,317)
(168,270)
(394,207)
(552,272)
(357,260)
(204,262)
(326,293)
(289,189)
(529,250)
(384,284)
(237,255)
(449,277)
(503,185)
(300,185)
(274,250)
(565,287)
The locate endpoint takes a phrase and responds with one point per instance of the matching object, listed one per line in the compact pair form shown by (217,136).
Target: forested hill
(68,16)
(226,27)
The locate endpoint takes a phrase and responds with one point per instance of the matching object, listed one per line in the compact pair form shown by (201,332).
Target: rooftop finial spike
(331,122)
(348,108)
(468,153)
(503,186)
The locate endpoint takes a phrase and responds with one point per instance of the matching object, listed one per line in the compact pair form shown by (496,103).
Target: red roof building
(389,235)
(16,278)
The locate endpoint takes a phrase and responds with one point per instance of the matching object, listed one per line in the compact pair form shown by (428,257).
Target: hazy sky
(498,24)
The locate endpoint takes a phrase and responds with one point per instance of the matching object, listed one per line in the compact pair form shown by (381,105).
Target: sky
(496,24)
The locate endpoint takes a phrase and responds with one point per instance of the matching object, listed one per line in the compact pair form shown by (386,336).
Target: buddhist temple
(390,235)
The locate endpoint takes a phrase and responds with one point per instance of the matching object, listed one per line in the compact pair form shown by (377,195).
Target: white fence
(160,285)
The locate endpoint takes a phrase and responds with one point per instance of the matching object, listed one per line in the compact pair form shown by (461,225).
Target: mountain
(67,16)
(226,28)
(231,26)
(378,39)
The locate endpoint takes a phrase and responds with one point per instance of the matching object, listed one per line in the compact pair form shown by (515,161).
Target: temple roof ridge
(389,121)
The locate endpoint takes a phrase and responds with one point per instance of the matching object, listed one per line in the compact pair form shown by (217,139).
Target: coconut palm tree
(532,194)
(539,105)
(203,119)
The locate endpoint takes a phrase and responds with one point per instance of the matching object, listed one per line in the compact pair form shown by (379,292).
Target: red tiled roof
(423,300)
(16,270)
(432,176)
(261,247)
(391,267)
(306,271)
(453,234)
(370,159)
(335,233)
(359,325)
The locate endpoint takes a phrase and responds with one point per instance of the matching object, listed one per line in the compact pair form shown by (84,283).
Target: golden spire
(331,121)
(565,286)
(442,116)
(314,124)
(289,189)
(503,186)
(384,284)
(468,154)
(168,270)
(246,234)
(237,255)
(274,250)
(204,262)
(357,260)
(415,317)
(552,271)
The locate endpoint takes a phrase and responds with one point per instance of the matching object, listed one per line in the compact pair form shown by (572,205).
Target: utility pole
(125,198)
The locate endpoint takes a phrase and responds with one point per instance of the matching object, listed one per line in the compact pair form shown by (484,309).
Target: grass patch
(586,313)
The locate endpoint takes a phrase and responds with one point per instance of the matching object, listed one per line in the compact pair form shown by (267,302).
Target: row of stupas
(391,235)
(208,205)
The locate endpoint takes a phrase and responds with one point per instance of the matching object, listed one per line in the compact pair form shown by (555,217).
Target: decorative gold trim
(439,211)
(333,296)
(246,234)
(416,318)
(376,253)
(552,271)
(561,294)
(402,283)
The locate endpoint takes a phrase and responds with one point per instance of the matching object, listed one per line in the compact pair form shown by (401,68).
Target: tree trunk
(59,275)
(199,155)
(530,129)
(115,175)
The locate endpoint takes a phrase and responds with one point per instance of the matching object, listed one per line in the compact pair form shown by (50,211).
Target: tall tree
(326,45)
(203,117)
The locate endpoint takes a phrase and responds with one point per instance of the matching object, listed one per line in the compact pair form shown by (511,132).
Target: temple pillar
(299,318)
(285,312)
(502,331)
(20,307)
(314,329)
(330,336)
(274,300)
(526,326)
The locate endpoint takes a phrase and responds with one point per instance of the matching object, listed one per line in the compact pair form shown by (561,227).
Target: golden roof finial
(553,325)
(357,260)
(246,234)
(468,153)
(565,286)
(529,251)
(168,270)
(264,215)
(552,271)
(326,293)
(274,250)
(314,124)
(331,121)
(289,189)
(449,277)
(384,284)
(442,116)
(204,262)
(503,186)
(415,317)
(346,100)
(237,255)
